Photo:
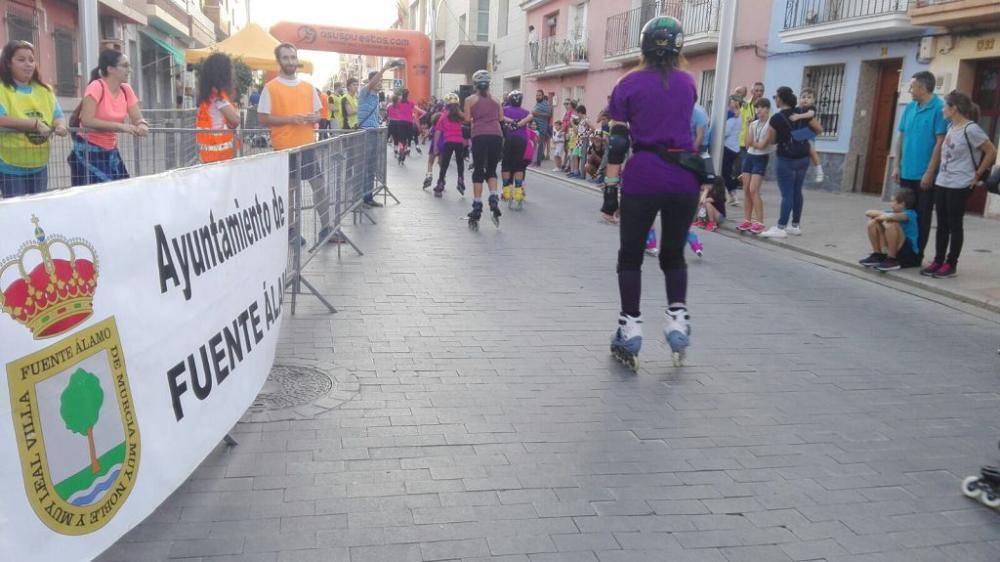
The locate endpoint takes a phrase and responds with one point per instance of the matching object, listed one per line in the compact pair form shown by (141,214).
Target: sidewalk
(833,226)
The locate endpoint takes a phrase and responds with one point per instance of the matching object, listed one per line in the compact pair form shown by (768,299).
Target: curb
(888,280)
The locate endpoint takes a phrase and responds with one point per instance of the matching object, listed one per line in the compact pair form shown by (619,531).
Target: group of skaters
(492,131)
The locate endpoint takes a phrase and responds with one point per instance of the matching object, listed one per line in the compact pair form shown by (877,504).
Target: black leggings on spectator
(452,148)
(729,158)
(950,215)
(638,213)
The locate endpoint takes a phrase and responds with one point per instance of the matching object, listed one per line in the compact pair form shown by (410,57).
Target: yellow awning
(253,45)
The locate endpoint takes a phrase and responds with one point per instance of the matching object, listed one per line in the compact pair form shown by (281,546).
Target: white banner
(139,321)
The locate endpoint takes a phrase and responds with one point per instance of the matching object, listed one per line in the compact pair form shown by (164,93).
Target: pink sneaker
(757,228)
(744,226)
(711,226)
(699,223)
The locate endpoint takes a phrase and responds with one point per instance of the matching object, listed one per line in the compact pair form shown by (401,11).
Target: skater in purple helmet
(650,110)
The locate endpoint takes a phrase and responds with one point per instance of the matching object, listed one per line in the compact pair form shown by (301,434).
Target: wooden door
(883,118)
(987,94)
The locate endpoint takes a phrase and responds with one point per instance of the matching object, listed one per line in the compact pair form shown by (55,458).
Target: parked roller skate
(659,96)
(487,142)
(627,341)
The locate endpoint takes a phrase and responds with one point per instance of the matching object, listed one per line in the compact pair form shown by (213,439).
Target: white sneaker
(820,177)
(774,232)
(794,231)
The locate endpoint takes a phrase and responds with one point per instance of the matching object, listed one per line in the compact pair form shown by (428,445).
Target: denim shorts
(755,164)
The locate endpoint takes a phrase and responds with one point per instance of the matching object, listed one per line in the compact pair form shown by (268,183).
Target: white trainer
(774,232)
(794,231)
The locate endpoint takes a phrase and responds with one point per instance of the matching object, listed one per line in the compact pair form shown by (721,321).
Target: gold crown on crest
(50,294)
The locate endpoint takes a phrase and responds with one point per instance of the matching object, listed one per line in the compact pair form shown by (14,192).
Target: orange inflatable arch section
(413,46)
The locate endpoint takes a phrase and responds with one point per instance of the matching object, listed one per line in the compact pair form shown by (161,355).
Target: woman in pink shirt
(106,104)
(402,115)
(449,128)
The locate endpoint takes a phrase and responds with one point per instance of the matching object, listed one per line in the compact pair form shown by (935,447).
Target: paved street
(476,413)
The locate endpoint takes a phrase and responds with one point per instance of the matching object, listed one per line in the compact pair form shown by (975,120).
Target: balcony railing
(557,54)
(623,30)
(804,13)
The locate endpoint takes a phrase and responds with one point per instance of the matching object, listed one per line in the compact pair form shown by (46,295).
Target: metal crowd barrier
(328,179)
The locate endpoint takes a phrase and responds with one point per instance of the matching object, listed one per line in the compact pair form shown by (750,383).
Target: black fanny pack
(690,161)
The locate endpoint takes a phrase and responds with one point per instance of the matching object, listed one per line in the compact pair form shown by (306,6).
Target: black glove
(610,205)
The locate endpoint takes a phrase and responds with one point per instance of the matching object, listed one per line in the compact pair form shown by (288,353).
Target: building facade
(585,46)
(964,54)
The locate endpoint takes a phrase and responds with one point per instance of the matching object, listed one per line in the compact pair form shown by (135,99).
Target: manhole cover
(289,386)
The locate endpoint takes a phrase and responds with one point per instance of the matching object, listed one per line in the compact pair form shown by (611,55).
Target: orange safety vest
(215,146)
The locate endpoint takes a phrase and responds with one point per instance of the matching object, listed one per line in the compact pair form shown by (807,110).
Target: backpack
(74,118)
(797,145)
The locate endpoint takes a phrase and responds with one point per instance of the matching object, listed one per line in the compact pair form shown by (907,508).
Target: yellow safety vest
(336,111)
(26,150)
(352,101)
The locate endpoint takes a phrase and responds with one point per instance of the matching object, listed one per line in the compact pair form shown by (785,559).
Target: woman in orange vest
(215,112)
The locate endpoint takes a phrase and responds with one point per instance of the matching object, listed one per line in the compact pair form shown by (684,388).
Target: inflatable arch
(413,46)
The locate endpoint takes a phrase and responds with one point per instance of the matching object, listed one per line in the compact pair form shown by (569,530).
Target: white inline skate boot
(627,341)
(678,332)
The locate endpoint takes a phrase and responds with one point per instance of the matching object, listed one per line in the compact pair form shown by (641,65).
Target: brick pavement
(821,417)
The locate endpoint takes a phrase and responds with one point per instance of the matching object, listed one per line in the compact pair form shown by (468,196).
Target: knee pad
(618,144)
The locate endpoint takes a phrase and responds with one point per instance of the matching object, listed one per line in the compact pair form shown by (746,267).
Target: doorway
(883,119)
(986,93)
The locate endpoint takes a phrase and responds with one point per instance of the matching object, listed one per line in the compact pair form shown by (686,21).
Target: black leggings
(513,155)
(458,149)
(950,216)
(486,151)
(638,212)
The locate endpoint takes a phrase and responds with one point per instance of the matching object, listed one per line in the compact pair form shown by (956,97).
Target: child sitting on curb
(893,230)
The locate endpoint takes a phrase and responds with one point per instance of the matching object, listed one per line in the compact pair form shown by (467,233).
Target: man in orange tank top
(292,108)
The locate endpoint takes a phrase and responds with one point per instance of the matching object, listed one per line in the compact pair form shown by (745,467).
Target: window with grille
(828,81)
(707,90)
(65,42)
(483,21)
(22,24)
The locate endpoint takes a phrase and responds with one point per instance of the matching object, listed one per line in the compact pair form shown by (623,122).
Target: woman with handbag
(109,106)
(966,158)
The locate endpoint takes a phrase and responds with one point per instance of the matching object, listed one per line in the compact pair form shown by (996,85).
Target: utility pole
(87,15)
(723,64)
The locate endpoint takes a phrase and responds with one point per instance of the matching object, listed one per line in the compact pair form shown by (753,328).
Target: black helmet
(515,98)
(661,36)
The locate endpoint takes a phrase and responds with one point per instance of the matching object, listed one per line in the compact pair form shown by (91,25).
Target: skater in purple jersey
(650,110)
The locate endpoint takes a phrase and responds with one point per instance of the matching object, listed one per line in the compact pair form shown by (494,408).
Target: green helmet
(662,36)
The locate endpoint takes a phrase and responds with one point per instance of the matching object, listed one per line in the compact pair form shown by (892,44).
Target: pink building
(585,46)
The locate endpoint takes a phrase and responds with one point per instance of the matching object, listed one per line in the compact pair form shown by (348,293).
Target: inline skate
(461,186)
(985,487)
(678,333)
(627,341)
(475,215)
(428,180)
(439,188)
(652,249)
(518,202)
(495,209)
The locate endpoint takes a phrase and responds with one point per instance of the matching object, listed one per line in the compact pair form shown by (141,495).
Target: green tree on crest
(80,407)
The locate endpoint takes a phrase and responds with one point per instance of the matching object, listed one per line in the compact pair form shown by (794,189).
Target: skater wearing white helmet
(651,109)
(487,145)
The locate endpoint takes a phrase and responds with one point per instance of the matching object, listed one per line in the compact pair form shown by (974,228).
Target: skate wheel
(990,500)
(970,487)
